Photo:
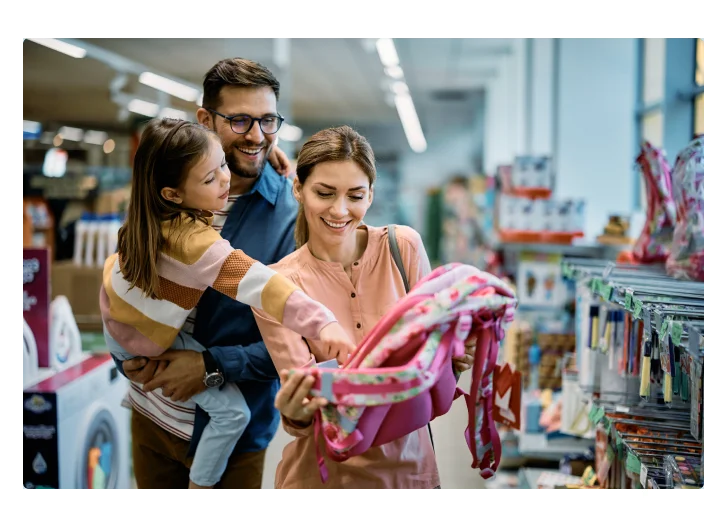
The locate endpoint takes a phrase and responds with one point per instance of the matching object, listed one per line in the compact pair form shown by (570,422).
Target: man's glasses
(242,123)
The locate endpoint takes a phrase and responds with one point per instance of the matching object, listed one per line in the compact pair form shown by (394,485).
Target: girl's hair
(168,149)
(331,145)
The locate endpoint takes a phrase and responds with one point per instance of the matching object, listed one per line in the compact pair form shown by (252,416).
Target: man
(239,104)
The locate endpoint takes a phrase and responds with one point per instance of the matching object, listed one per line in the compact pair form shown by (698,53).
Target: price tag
(596,285)
(599,415)
(632,463)
(637,308)
(664,329)
(658,321)
(606,291)
(622,409)
(629,300)
(644,475)
(676,333)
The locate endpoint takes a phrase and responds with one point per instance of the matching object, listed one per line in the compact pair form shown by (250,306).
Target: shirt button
(354,295)
(356,263)
(359,325)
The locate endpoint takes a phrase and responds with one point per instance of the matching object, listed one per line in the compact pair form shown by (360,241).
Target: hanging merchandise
(646,400)
(401,376)
(653,244)
(686,260)
(64,337)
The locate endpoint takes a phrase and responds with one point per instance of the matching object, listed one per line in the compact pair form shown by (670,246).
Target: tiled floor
(454,459)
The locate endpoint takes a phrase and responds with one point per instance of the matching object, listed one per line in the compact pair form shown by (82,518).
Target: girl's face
(335,198)
(207,185)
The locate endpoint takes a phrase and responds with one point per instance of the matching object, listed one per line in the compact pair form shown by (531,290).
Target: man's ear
(297,189)
(205,118)
(172,195)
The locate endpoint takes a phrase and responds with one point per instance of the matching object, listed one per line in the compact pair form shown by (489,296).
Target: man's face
(247,153)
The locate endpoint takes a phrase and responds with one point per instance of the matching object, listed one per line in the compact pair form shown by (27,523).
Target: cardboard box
(81,285)
(36,298)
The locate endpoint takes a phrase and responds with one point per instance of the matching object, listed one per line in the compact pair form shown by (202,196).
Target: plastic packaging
(30,368)
(686,260)
(653,244)
(64,337)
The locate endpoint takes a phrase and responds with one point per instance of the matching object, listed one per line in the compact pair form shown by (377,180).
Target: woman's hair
(168,149)
(331,145)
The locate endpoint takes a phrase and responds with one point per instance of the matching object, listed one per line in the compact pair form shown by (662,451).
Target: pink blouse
(358,303)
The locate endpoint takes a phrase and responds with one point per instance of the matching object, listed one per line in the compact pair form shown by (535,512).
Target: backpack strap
(396,254)
(481,434)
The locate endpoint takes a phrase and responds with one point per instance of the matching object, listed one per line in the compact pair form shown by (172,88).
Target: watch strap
(211,365)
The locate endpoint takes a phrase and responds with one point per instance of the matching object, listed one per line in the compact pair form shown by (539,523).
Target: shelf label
(637,308)
(629,300)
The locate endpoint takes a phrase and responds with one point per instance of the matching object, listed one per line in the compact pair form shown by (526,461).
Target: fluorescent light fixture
(174,88)
(411,124)
(32,127)
(173,114)
(387,52)
(138,106)
(395,72)
(399,88)
(63,47)
(290,133)
(70,133)
(109,146)
(95,137)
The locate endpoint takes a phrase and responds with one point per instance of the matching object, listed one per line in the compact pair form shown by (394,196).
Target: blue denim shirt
(261,224)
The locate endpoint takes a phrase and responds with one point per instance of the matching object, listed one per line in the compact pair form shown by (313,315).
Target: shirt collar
(268,184)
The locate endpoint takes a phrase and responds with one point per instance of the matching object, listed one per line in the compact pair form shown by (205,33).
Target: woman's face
(335,198)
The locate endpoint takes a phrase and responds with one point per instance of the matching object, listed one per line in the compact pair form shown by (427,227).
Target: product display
(686,260)
(641,354)
(36,300)
(401,375)
(653,244)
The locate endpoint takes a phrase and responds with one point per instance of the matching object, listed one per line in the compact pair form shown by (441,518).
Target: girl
(168,254)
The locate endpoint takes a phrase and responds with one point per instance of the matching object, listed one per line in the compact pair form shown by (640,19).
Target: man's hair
(238,73)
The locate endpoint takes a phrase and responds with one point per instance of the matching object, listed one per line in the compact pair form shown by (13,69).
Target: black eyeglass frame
(251,124)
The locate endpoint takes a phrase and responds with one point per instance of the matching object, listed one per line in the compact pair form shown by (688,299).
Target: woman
(349,266)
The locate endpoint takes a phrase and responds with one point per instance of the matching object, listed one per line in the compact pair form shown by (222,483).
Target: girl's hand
(465,362)
(336,343)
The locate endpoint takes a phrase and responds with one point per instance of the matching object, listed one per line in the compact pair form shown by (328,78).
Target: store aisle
(454,459)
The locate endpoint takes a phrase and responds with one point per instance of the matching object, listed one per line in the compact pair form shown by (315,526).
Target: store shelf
(537,446)
(674,309)
(576,249)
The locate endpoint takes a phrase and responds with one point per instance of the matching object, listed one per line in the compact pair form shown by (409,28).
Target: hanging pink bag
(401,376)
(653,244)
(686,259)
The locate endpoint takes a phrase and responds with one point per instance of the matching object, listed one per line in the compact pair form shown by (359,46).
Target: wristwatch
(213,377)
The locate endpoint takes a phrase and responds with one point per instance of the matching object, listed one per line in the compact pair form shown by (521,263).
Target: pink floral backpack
(401,377)
(653,244)
(686,259)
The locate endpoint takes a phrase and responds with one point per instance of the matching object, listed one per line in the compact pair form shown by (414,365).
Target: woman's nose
(339,208)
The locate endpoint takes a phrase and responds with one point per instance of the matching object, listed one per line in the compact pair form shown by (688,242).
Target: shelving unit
(641,427)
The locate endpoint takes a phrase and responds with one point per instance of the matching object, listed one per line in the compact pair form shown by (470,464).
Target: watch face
(214,379)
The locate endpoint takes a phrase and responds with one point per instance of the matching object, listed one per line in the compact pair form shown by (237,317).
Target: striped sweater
(194,258)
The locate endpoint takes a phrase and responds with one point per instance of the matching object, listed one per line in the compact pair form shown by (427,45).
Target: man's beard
(248,172)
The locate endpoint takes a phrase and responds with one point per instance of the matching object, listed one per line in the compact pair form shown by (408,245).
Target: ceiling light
(32,127)
(399,88)
(411,124)
(173,114)
(387,52)
(177,89)
(199,102)
(395,72)
(109,146)
(95,137)
(70,133)
(143,107)
(58,140)
(63,47)
(290,133)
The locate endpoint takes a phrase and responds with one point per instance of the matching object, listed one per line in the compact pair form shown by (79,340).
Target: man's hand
(183,376)
(465,362)
(280,161)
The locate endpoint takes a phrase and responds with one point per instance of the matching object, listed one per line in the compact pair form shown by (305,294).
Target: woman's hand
(279,161)
(465,362)
(293,399)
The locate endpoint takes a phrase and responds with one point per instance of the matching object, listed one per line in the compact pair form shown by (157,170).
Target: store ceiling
(332,80)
